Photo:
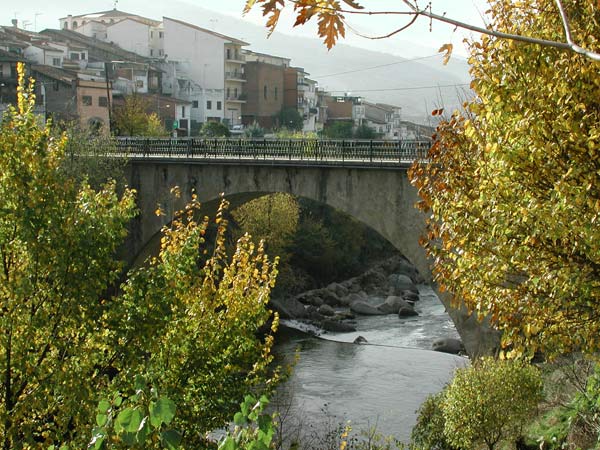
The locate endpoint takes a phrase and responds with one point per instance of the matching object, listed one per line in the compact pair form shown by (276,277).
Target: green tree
(57,241)
(364,132)
(428,432)
(272,218)
(338,130)
(291,119)
(132,118)
(513,185)
(192,323)
(490,402)
(254,130)
(214,129)
(91,158)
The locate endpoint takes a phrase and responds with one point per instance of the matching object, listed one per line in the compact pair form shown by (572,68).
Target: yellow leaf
(448,49)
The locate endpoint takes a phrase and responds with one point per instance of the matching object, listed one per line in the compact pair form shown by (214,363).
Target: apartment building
(214,62)
(265,83)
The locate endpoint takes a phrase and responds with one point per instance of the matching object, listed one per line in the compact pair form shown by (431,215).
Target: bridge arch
(379,196)
(382,199)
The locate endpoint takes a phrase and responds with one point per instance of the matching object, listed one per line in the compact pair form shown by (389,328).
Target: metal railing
(330,152)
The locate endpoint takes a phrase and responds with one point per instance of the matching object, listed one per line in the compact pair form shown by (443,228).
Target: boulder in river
(338,289)
(288,308)
(399,283)
(337,326)
(407,311)
(354,297)
(448,345)
(326,310)
(364,308)
(410,296)
(360,340)
(392,305)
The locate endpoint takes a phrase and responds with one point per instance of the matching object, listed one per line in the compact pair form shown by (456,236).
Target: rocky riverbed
(387,288)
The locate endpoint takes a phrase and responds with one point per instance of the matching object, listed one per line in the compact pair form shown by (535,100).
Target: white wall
(130,35)
(202,54)
(93,29)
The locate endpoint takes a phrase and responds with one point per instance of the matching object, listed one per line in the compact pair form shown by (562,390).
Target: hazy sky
(40,14)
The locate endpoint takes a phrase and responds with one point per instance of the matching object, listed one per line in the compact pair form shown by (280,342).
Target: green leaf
(103,406)
(228,444)
(101,419)
(162,411)
(239,419)
(98,436)
(128,420)
(170,439)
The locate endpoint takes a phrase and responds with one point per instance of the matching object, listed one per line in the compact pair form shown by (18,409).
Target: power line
(376,67)
(414,88)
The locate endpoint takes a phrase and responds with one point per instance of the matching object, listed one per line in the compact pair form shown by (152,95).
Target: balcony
(236,99)
(235,76)
(233,58)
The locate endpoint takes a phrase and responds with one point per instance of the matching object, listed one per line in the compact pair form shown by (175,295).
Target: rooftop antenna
(35,16)
(26,23)
(115,4)
(212,23)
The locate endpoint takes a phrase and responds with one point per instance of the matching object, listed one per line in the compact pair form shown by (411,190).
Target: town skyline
(418,40)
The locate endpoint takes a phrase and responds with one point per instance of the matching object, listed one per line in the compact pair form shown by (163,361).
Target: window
(228,53)
(275,92)
(86,100)
(74,25)
(75,56)
(219,106)
(235,93)
(228,93)
(195,104)
(151,34)
(265,92)
(139,83)
(103,102)
(183,111)
(56,62)
(208,104)
(56,86)
(160,34)
(151,52)
(161,52)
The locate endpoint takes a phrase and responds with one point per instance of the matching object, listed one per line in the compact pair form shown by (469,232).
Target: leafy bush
(490,402)
(254,428)
(214,129)
(254,131)
(428,433)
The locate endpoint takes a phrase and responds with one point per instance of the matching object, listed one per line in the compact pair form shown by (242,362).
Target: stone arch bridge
(366,179)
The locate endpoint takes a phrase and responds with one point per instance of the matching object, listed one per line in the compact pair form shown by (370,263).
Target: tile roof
(115,51)
(114,13)
(55,73)
(10,57)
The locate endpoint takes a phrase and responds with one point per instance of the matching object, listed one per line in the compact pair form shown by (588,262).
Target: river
(380,384)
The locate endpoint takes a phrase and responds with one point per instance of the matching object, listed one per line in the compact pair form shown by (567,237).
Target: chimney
(14,23)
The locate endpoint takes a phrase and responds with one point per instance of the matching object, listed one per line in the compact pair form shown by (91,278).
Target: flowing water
(380,384)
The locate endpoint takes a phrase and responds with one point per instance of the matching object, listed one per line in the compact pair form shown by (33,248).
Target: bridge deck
(277,152)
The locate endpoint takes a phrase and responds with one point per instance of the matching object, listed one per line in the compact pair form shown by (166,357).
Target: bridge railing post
(371,151)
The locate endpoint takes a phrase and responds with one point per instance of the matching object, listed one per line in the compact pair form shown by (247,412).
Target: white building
(138,36)
(96,24)
(44,54)
(214,62)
